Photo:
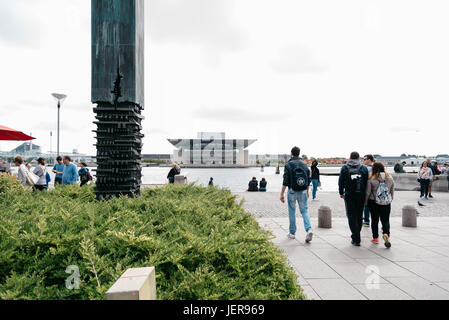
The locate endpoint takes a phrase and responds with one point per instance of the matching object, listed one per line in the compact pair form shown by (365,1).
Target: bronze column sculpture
(118,92)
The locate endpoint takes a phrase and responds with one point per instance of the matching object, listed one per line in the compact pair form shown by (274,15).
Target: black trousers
(354,211)
(382,213)
(40,187)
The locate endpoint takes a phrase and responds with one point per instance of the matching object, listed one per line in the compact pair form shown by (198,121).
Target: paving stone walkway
(330,268)
(267,204)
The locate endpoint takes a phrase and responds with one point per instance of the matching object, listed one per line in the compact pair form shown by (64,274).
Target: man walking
(351,186)
(297,179)
(70,174)
(368,161)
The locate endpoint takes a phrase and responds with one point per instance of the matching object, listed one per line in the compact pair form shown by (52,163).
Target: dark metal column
(118,92)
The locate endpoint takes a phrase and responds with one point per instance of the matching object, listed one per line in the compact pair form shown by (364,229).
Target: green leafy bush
(202,243)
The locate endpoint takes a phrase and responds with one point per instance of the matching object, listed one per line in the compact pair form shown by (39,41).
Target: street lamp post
(60,98)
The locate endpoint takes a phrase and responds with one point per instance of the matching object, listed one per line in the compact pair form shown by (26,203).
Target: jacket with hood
(253,185)
(344,172)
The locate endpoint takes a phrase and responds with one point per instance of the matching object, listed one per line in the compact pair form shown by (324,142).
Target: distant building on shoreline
(211,148)
(29,150)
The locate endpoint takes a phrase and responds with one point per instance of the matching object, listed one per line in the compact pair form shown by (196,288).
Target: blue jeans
(315,187)
(424,186)
(301,198)
(366,214)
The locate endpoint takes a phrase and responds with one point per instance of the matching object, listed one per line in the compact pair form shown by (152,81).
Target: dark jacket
(287,171)
(173,172)
(344,176)
(263,183)
(435,170)
(252,185)
(315,173)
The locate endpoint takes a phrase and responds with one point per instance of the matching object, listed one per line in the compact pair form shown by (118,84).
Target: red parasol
(13,135)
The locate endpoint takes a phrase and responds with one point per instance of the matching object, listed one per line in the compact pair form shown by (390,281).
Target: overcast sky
(329,76)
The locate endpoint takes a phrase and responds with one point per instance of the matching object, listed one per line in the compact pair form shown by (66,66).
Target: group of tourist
(428,174)
(255,186)
(367,190)
(65,171)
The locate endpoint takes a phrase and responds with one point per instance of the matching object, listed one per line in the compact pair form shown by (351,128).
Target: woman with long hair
(176,169)
(41,171)
(379,195)
(425,175)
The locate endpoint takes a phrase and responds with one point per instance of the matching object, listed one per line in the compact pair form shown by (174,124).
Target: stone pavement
(415,267)
(330,267)
(267,204)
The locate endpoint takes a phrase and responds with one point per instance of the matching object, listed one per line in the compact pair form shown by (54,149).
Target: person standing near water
(173,172)
(425,176)
(70,174)
(368,161)
(22,172)
(352,187)
(40,171)
(315,178)
(297,179)
(211,182)
(84,174)
(58,169)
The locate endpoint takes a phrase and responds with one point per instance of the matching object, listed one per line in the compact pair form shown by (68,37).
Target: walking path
(415,267)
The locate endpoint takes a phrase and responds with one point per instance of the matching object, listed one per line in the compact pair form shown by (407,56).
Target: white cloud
(329,76)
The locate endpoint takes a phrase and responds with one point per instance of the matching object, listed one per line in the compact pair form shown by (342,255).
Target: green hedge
(202,243)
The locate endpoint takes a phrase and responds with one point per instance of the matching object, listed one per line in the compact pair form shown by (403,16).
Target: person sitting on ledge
(399,167)
(253,185)
(263,185)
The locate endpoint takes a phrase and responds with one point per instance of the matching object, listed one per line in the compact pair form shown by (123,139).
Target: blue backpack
(298,176)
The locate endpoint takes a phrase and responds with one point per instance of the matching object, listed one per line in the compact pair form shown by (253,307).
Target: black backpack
(298,177)
(354,179)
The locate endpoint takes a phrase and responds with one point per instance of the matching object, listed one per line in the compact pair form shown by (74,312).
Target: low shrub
(202,243)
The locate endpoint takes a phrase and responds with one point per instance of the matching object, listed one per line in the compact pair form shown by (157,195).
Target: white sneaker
(309,236)
(291,236)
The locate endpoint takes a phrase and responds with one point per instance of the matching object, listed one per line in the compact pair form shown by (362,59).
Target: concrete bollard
(134,284)
(180,179)
(324,217)
(409,217)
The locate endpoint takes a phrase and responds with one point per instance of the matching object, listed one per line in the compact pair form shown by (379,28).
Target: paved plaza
(415,267)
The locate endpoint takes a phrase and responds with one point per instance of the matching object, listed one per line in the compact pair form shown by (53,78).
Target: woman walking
(41,171)
(379,195)
(84,174)
(315,178)
(425,175)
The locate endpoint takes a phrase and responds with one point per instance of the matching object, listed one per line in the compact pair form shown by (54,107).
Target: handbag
(32,178)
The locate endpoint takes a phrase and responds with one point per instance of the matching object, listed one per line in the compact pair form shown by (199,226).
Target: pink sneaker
(375,240)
